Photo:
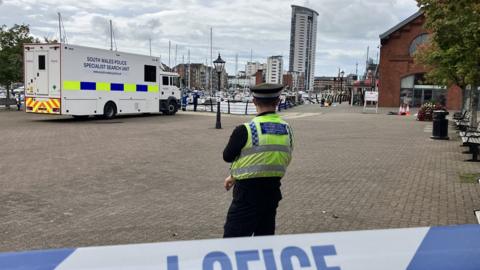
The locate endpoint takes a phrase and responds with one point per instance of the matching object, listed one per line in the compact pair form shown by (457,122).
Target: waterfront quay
(152,178)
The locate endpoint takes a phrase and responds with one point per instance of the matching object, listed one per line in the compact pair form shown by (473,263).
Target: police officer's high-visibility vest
(268,150)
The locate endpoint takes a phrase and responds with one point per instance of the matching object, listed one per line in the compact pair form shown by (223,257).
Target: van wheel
(171,107)
(109,111)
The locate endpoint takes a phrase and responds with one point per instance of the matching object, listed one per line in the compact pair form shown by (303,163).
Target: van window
(165,80)
(171,80)
(176,82)
(150,73)
(41,62)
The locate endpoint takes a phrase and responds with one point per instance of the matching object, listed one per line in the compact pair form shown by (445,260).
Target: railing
(236,107)
(3,101)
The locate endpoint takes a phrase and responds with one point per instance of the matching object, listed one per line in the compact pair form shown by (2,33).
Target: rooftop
(304,9)
(401,24)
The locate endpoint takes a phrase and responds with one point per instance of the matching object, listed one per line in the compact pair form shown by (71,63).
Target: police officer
(260,152)
(19,102)
(195,100)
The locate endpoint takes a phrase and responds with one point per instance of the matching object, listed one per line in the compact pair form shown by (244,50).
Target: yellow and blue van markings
(71,85)
(153,88)
(105,86)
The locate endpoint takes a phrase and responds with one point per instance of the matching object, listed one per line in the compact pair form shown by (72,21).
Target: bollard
(228,103)
(218,123)
(246,108)
(211,105)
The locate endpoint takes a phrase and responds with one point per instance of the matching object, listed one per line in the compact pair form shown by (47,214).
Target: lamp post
(219,65)
(341,85)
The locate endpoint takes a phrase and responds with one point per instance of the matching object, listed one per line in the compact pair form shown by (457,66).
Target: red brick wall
(259,77)
(454,98)
(396,63)
(288,81)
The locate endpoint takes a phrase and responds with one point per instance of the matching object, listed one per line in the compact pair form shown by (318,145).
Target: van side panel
(92,77)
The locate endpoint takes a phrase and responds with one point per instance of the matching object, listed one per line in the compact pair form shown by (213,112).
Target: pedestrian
(184,101)
(195,100)
(19,102)
(260,152)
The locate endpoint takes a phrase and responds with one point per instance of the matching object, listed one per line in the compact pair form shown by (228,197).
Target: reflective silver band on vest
(265,148)
(259,168)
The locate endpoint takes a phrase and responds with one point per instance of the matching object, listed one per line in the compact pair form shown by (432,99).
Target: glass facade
(415,91)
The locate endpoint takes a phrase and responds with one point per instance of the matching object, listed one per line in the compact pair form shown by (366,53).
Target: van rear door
(42,78)
(40,67)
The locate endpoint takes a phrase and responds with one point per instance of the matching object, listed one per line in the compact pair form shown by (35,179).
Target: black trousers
(254,208)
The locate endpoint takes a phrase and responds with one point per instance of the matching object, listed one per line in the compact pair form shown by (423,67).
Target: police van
(81,81)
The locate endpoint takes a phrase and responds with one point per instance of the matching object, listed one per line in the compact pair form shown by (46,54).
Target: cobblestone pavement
(66,183)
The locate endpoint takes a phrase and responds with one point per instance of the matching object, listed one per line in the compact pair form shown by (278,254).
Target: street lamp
(341,85)
(219,65)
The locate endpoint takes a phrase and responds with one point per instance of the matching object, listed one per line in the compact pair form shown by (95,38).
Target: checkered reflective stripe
(253,128)
(290,136)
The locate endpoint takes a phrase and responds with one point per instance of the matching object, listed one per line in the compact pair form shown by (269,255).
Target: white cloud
(345,27)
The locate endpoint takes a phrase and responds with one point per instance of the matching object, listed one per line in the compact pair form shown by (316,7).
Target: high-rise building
(274,69)
(251,68)
(303,42)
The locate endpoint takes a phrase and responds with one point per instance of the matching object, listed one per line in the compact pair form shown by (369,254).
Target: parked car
(20,89)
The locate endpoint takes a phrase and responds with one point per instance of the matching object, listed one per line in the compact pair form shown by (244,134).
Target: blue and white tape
(435,248)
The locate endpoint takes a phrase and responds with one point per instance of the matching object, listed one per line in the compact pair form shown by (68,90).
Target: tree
(11,54)
(453,53)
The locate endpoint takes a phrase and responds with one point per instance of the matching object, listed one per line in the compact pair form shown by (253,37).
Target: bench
(459,115)
(471,138)
(462,123)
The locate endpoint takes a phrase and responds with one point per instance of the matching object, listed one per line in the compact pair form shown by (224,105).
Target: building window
(419,40)
(150,73)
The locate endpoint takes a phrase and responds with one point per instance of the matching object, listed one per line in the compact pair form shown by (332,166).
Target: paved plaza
(151,178)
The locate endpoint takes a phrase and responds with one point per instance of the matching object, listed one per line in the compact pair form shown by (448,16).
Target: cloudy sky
(345,27)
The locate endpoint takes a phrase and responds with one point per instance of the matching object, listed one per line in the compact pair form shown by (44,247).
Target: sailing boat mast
(189,85)
(61,30)
(111,36)
(176,50)
(169,47)
(211,61)
(236,71)
(60,27)
(150,45)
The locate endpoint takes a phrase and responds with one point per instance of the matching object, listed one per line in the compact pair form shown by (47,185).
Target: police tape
(434,248)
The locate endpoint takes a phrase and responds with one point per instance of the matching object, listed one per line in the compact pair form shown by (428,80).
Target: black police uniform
(255,200)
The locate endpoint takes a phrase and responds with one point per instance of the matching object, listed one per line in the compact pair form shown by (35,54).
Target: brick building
(401,80)
(260,76)
(293,80)
(200,76)
(324,84)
